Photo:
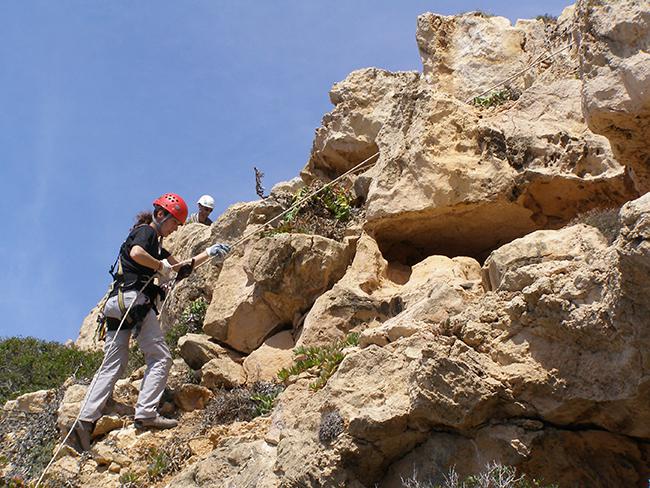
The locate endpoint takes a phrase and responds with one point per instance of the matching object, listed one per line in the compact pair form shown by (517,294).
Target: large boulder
(373,291)
(464,55)
(455,179)
(614,40)
(271,284)
(198,349)
(222,372)
(561,341)
(274,354)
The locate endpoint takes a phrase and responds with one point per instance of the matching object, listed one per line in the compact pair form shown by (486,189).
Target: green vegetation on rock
(325,359)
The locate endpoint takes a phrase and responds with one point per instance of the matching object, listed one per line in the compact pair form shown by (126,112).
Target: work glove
(218,252)
(165,272)
(185,270)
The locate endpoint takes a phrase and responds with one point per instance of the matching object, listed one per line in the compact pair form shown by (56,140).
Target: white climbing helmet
(206,201)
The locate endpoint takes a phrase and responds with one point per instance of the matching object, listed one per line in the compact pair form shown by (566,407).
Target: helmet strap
(159,223)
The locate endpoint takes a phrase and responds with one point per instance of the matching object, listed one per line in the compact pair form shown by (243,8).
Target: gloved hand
(218,251)
(185,270)
(165,272)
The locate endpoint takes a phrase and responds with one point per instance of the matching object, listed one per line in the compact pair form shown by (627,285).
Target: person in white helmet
(206,205)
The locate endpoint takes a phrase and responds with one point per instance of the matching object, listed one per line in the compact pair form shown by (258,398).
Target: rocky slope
(496,274)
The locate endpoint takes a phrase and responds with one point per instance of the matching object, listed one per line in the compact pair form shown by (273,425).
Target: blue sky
(108,104)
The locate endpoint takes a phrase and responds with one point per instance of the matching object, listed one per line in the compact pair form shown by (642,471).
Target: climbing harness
(134,320)
(90,388)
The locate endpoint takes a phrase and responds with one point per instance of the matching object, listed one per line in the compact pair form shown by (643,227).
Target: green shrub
(129,480)
(325,359)
(547,18)
(264,395)
(496,97)
(159,464)
(169,458)
(326,213)
(28,441)
(28,364)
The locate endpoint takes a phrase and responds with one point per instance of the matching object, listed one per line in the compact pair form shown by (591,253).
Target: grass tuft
(325,359)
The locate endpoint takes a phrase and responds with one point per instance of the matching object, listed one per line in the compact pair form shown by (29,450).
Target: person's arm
(143,258)
(198,260)
(217,252)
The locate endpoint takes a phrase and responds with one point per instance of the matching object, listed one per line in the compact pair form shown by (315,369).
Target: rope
(90,388)
(302,200)
(532,65)
(363,163)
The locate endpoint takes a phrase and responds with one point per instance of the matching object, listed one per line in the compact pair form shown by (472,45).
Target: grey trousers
(156,355)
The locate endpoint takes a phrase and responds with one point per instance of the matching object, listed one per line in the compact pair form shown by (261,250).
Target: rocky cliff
(493,273)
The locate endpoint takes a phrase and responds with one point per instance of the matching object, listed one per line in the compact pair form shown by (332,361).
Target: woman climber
(132,303)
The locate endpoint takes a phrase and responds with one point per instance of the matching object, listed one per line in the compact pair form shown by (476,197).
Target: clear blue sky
(105,105)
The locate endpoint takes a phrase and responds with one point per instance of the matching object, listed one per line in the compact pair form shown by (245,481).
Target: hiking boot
(156,422)
(83,431)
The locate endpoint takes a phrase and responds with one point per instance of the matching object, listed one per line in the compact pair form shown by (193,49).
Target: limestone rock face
(343,142)
(614,40)
(222,372)
(455,179)
(373,291)
(270,285)
(274,354)
(198,349)
(498,279)
(504,379)
(85,340)
(466,54)
(237,462)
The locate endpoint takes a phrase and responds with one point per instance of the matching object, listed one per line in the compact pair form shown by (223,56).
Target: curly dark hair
(142,218)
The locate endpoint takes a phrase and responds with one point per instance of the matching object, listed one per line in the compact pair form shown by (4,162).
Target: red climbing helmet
(174,204)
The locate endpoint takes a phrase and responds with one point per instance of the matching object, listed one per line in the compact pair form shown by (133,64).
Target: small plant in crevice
(495,475)
(167,459)
(240,404)
(129,479)
(190,322)
(547,18)
(496,97)
(325,359)
(331,426)
(159,464)
(264,397)
(605,220)
(328,213)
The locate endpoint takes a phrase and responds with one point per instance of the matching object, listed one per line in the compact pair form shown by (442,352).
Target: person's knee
(160,355)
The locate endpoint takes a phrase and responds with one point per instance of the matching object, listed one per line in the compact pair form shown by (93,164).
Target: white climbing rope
(242,239)
(90,388)
(521,72)
(297,204)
